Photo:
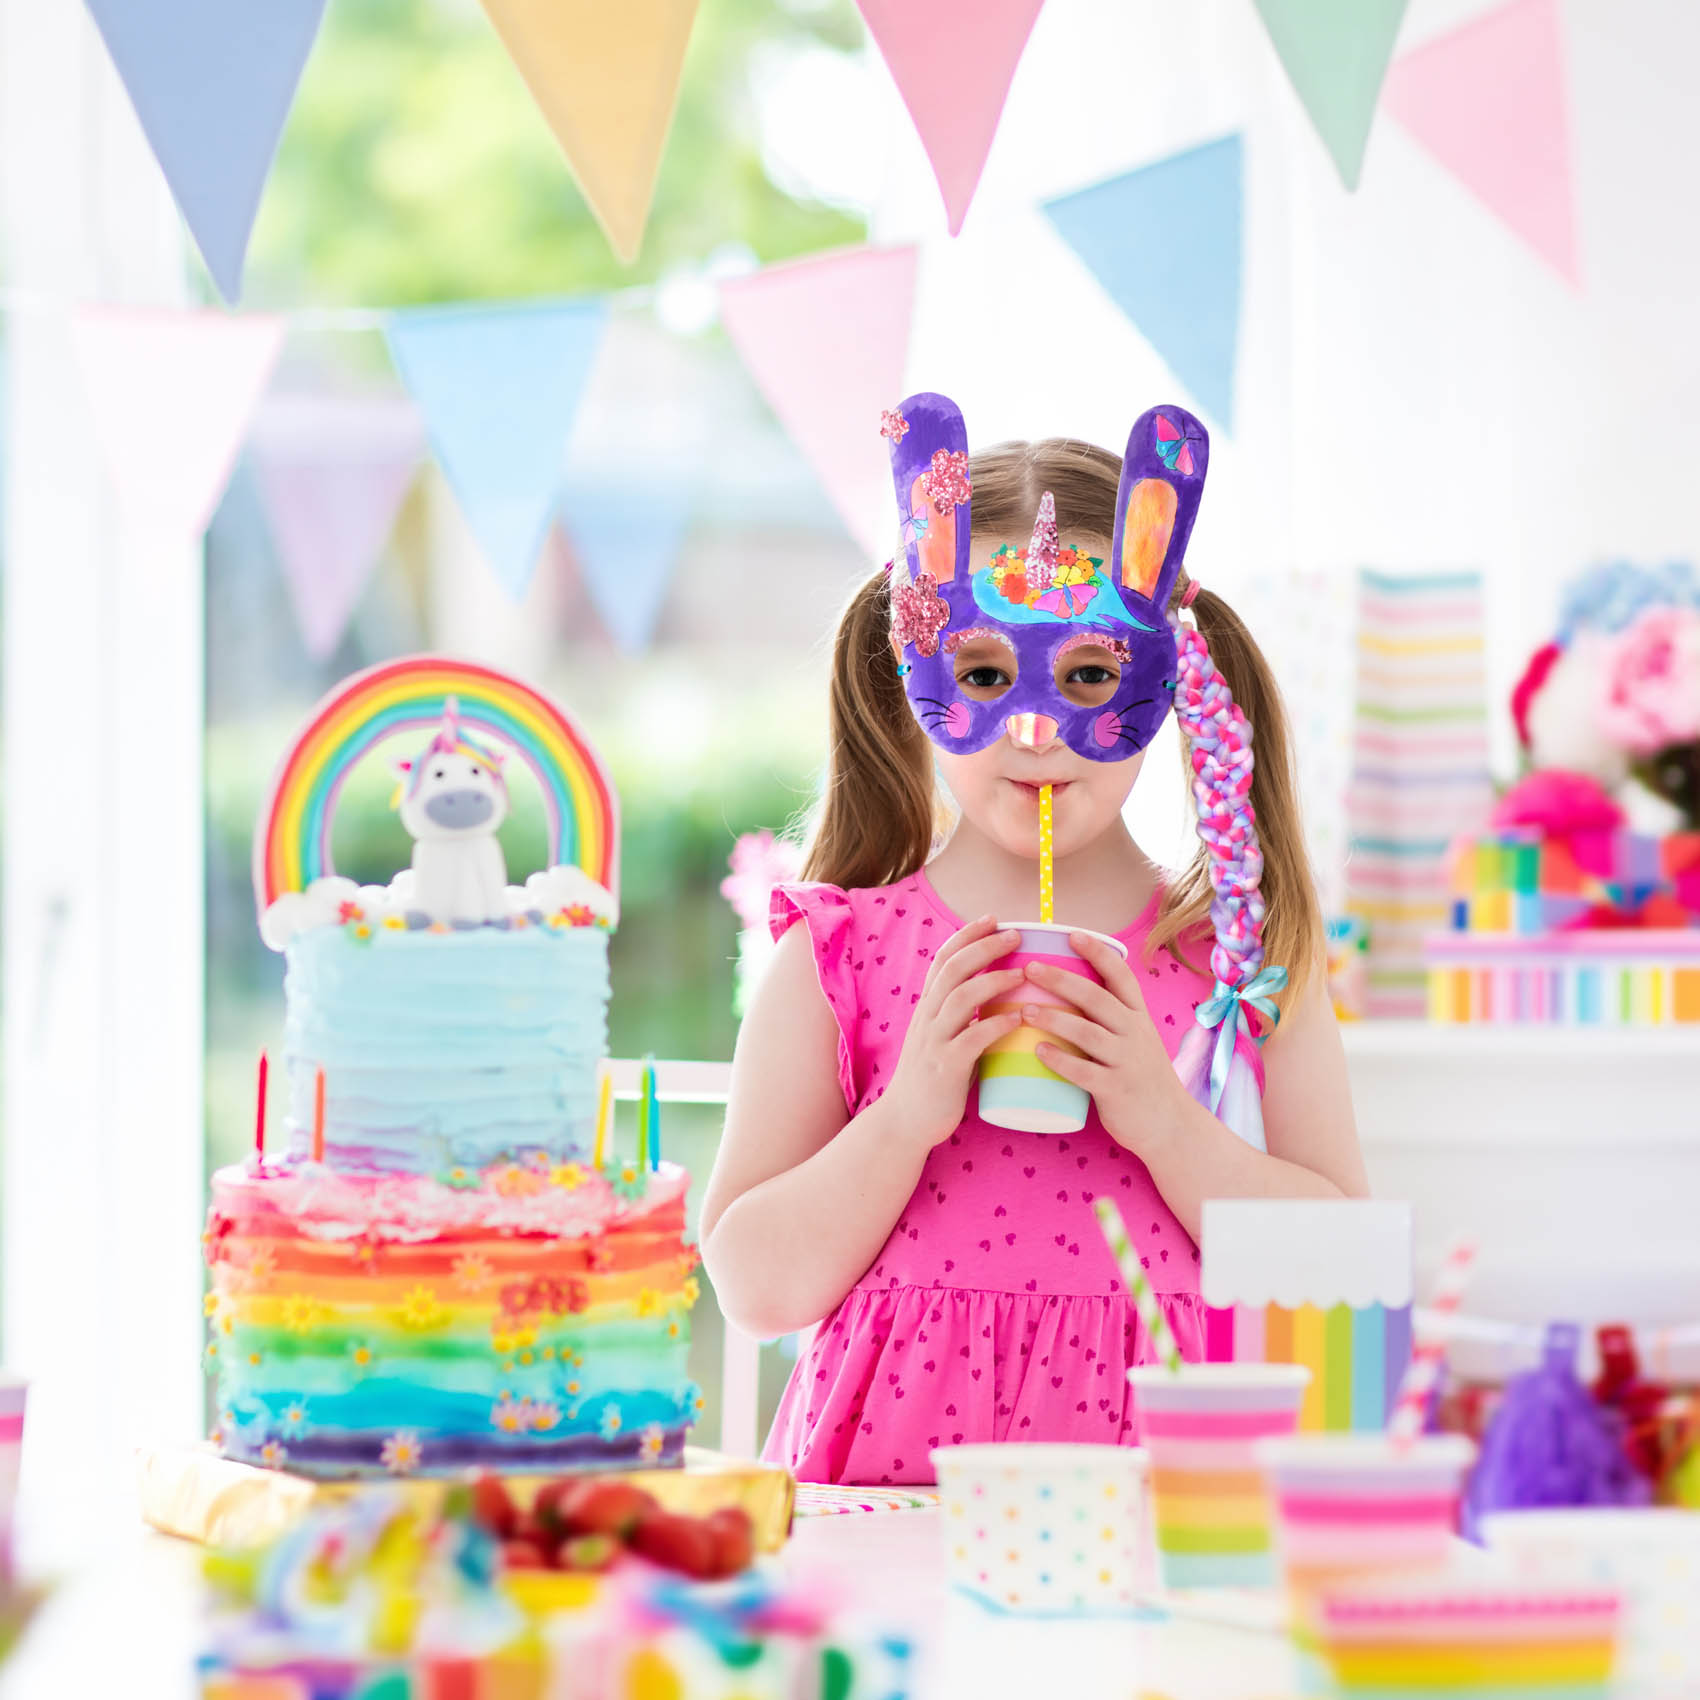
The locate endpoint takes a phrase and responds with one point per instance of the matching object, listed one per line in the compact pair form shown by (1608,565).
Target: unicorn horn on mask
(1042,551)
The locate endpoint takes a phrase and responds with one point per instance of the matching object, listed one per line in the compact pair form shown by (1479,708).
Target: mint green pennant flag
(1336,53)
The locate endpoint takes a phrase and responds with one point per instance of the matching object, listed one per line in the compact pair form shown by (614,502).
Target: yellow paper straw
(604,1105)
(1047,897)
(1133,1278)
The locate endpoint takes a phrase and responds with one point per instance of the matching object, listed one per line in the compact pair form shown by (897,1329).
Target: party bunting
(171,394)
(1164,241)
(1335,53)
(625,535)
(1489,102)
(606,78)
(499,386)
(826,341)
(212,84)
(953,61)
(332,471)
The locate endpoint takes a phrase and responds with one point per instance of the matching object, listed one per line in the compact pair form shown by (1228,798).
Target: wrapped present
(194,1493)
(1326,1283)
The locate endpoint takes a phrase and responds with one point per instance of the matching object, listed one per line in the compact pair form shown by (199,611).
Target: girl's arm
(803,1195)
(1307,1104)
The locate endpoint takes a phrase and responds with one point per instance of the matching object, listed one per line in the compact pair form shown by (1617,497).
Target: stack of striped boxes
(1419,768)
(1518,950)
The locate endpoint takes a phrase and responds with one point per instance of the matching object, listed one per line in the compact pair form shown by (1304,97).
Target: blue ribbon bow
(1225,1010)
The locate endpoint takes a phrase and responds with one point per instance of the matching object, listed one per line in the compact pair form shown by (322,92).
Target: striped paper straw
(1047,895)
(1133,1278)
(1410,1408)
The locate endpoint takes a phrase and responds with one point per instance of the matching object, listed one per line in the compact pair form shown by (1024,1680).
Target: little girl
(1029,630)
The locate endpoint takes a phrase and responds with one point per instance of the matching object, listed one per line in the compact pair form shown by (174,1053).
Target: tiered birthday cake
(444,1268)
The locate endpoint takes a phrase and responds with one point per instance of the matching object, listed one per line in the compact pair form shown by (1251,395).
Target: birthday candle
(646,1101)
(319,1116)
(260,1113)
(604,1104)
(654,1124)
(1133,1278)
(1046,896)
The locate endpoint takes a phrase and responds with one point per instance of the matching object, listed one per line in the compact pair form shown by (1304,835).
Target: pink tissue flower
(759,862)
(1650,696)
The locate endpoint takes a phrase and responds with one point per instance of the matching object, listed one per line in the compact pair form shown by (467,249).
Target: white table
(128,1627)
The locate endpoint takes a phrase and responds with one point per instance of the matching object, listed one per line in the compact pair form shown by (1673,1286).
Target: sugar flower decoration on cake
(299,1313)
(515,1180)
(654,1440)
(362,1356)
(511,1415)
(545,1415)
(293,1419)
(648,1302)
(274,1455)
(471,1272)
(460,1179)
(421,1310)
(209,1357)
(568,1176)
(628,1180)
(262,1262)
(401,1452)
(610,1423)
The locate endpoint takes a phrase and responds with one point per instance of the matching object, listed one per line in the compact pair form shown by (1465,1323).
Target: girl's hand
(1124,1066)
(929,1086)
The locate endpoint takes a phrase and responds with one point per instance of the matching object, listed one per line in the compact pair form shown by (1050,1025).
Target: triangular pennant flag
(171,395)
(1489,102)
(1336,53)
(606,78)
(212,85)
(332,471)
(827,340)
(499,387)
(625,536)
(1164,241)
(953,61)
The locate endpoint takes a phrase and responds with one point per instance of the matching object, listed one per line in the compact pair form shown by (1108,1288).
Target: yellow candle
(1047,898)
(604,1106)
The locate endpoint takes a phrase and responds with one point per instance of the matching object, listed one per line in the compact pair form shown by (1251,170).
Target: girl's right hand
(929,1087)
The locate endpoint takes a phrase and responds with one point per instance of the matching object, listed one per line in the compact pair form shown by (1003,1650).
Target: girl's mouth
(1031,786)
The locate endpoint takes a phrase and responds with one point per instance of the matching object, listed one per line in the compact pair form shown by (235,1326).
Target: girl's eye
(984,678)
(1092,674)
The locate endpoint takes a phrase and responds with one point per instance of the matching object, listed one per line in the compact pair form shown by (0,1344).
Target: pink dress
(993,1312)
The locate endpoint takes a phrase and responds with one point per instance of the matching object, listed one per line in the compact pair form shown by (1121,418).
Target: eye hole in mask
(1086,673)
(985,667)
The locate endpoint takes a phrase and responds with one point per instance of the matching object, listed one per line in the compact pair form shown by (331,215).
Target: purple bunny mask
(1045,600)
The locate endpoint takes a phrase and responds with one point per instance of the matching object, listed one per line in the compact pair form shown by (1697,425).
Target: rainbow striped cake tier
(1474,1640)
(533,1315)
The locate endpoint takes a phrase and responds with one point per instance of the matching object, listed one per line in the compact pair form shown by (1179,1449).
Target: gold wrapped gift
(193,1492)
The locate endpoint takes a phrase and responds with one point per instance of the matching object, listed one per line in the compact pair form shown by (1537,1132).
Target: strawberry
(492,1504)
(524,1555)
(601,1508)
(734,1539)
(587,1552)
(677,1543)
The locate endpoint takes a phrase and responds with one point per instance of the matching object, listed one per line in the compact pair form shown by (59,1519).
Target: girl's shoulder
(873,911)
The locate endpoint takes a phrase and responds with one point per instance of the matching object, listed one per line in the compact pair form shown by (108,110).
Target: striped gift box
(1324,1283)
(1631,977)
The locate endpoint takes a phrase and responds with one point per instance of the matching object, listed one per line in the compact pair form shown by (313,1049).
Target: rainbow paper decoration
(1616,977)
(1326,1283)
(292,842)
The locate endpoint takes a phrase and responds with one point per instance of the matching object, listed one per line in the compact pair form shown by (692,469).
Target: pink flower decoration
(1527,688)
(946,481)
(893,425)
(1559,802)
(1650,697)
(759,862)
(919,613)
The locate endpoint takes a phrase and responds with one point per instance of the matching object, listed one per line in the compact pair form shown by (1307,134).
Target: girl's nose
(1031,731)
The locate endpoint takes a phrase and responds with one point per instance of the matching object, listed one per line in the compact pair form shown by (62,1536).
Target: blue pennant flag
(498,387)
(625,537)
(1164,241)
(212,83)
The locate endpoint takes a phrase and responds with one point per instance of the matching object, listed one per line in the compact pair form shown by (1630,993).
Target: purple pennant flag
(332,471)
(212,82)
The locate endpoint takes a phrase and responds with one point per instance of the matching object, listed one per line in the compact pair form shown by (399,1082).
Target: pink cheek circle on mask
(1106,729)
(957,719)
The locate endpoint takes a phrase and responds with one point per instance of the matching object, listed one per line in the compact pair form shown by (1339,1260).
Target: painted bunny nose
(1031,731)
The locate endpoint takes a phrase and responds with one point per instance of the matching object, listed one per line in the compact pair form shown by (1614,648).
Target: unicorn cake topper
(452,799)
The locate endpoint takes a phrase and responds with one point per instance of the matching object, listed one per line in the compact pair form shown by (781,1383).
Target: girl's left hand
(1124,1065)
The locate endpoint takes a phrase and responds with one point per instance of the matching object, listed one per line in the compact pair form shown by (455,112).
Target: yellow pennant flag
(606,77)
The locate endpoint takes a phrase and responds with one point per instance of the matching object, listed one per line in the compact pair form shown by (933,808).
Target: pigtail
(1292,931)
(879,815)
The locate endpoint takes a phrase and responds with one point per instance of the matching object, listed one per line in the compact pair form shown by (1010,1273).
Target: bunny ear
(1168,452)
(929,472)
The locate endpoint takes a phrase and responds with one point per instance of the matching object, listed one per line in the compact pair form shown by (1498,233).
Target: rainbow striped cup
(1360,1504)
(1016,1090)
(1201,1424)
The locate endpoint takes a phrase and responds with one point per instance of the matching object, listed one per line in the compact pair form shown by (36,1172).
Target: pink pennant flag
(826,341)
(953,61)
(1489,102)
(171,395)
(332,471)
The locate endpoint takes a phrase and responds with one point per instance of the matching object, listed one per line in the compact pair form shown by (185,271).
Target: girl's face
(997,788)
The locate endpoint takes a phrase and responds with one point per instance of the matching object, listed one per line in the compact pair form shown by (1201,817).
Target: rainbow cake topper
(292,842)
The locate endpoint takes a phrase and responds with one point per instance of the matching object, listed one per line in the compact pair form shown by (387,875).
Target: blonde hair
(881,813)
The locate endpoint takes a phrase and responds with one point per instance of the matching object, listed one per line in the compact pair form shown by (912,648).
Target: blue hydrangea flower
(1610,597)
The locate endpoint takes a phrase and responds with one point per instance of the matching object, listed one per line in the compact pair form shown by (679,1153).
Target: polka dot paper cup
(1045,1530)
(1016,1090)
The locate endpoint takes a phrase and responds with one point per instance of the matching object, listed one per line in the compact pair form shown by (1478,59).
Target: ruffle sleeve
(825,910)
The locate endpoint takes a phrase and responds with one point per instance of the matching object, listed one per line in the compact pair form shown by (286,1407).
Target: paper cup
(13,1389)
(1651,1557)
(1200,1424)
(1016,1090)
(1360,1504)
(1045,1530)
